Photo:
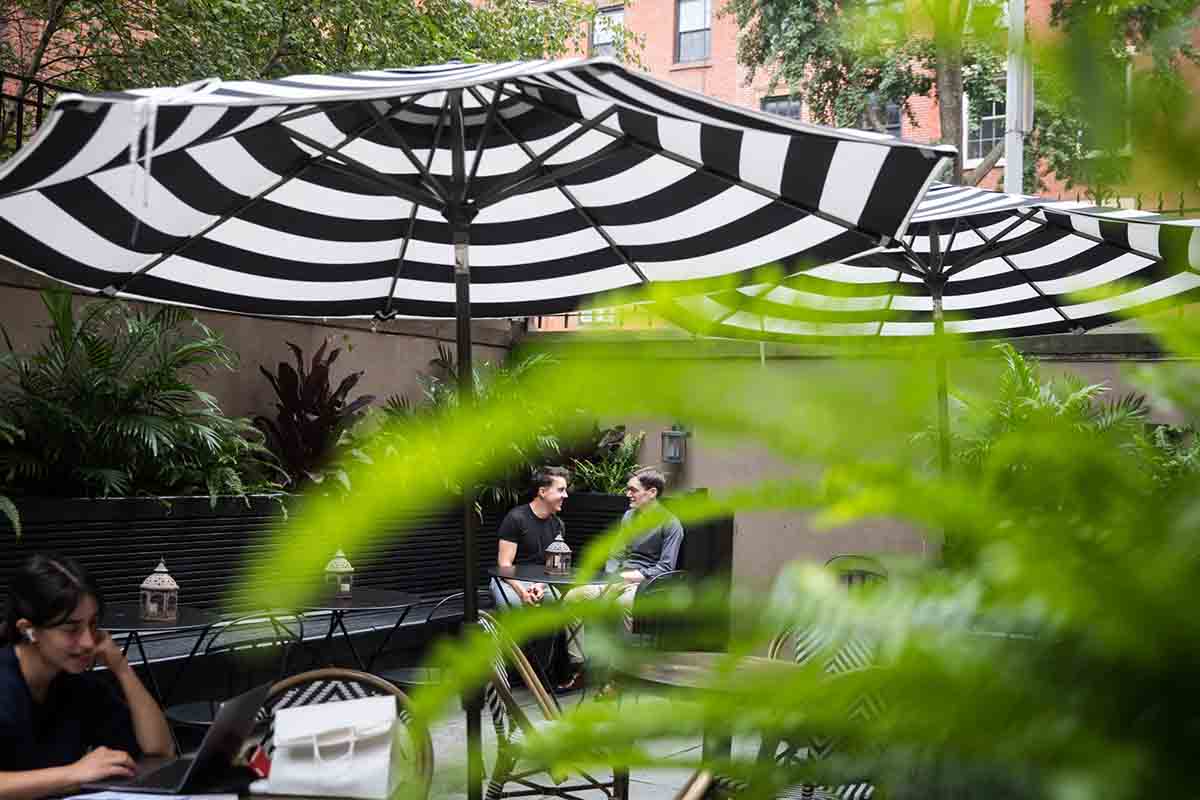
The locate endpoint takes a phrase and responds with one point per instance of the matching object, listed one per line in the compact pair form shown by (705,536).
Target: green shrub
(106,407)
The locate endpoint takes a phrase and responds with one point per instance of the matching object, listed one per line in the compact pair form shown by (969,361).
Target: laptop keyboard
(167,776)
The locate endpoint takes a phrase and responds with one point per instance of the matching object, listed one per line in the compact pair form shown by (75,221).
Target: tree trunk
(976,175)
(55,12)
(949,78)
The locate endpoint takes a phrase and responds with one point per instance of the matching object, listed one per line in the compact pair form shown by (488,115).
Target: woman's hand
(107,652)
(536,592)
(101,764)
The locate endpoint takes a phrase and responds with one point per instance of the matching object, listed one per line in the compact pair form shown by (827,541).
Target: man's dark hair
(544,477)
(651,478)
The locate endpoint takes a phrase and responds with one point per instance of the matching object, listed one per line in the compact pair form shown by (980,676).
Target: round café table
(361,601)
(125,619)
(699,671)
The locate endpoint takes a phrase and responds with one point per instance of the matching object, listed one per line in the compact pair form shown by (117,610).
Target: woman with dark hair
(62,725)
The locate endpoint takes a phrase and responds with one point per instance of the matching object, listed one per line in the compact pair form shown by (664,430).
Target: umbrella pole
(459,216)
(936,284)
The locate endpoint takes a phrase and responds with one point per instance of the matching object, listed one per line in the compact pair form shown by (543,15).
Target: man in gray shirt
(648,556)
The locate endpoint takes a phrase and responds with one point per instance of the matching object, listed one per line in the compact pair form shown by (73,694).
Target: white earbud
(29,635)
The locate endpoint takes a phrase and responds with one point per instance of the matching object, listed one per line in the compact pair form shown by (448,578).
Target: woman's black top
(80,712)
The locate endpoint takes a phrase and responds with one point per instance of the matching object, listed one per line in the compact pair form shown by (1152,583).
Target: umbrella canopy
(1000,264)
(338,195)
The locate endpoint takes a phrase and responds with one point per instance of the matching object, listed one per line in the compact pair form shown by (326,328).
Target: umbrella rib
(431,183)
(874,238)
(587,217)
(537,162)
(1025,278)
(360,170)
(551,176)
(114,289)
(387,312)
(977,255)
(493,112)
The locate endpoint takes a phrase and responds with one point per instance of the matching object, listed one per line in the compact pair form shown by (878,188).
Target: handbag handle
(344,762)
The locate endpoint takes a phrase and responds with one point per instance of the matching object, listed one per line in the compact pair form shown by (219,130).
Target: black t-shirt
(80,712)
(531,533)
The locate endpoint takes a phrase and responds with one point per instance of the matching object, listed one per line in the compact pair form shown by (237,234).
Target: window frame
(605,12)
(971,163)
(679,33)
(782,98)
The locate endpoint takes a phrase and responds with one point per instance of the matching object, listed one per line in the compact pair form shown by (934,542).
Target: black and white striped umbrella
(1003,265)
(338,195)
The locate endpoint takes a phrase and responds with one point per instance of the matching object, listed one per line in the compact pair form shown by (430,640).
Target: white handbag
(340,749)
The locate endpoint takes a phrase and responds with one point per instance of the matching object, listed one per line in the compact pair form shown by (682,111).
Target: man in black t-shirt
(526,532)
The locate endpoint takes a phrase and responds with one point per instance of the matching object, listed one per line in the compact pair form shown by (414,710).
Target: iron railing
(21,112)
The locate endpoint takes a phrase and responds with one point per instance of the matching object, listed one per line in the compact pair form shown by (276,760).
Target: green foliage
(310,417)
(385,435)
(1022,403)
(9,433)
(106,407)
(116,44)
(609,469)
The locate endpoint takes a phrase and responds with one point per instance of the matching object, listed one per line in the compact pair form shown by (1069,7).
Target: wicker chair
(512,724)
(807,645)
(413,748)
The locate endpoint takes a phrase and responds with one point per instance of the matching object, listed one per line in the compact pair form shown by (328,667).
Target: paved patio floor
(450,752)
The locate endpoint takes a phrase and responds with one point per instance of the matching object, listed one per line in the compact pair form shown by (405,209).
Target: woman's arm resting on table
(149,724)
(98,765)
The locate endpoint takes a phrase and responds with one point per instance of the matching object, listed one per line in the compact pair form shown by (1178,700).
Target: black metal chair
(512,725)
(249,651)
(411,677)
(412,750)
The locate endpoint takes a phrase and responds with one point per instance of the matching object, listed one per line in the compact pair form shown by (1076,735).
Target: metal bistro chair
(512,725)
(815,645)
(412,749)
(250,650)
(854,571)
(412,677)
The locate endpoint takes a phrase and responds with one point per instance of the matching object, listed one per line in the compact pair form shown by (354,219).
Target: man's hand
(536,592)
(107,652)
(632,576)
(101,764)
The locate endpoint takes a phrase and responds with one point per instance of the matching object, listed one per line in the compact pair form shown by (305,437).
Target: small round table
(362,600)
(698,671)
(125,619)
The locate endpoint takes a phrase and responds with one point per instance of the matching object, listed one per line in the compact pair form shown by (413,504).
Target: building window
(694,41)
(783,106)
(889,115)
(602,317)
(602,32)
(985,125)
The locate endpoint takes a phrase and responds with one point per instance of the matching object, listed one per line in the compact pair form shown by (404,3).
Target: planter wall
(121,540)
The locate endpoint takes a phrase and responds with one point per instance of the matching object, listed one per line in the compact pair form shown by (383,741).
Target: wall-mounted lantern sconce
(674,445)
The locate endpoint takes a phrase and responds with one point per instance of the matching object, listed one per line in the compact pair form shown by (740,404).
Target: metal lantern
(674,445)
(558,557)
(160,596)
(339,574)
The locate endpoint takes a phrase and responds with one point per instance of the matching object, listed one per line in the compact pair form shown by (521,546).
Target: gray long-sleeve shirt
(656,551)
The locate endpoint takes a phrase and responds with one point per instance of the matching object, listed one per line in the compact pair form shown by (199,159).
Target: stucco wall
(765,542)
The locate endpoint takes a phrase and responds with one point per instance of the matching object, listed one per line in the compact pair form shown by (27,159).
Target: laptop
(211,767)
